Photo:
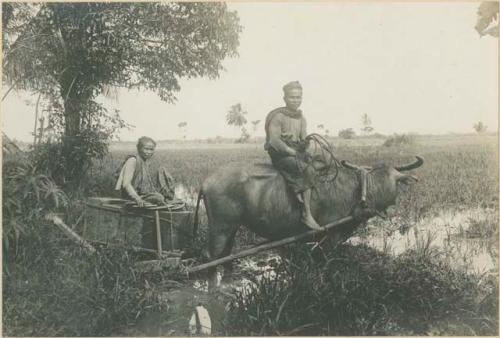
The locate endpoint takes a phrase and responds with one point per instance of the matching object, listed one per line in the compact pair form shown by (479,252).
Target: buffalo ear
(407,179)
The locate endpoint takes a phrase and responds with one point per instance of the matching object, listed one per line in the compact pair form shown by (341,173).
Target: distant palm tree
(480,128)
(367,124)
(236,117)
(255,125)
(183,128)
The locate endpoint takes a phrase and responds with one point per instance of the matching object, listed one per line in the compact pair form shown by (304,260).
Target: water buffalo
(256,196)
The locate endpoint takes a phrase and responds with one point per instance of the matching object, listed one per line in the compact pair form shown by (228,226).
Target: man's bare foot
(309,221)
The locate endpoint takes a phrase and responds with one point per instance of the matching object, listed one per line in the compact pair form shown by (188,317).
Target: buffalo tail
(195,225)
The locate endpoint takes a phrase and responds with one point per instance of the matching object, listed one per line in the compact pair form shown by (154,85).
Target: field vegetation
(51,287)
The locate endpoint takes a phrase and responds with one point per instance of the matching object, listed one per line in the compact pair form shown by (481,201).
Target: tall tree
(183,128)
(236,117)
(480,127)
(366,122)
(72,52)
(255,125)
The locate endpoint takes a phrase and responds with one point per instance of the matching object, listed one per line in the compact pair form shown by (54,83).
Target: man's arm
(275,137)
(128,175)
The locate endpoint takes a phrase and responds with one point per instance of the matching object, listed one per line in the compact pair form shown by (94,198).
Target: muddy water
(461,237)
(454,235)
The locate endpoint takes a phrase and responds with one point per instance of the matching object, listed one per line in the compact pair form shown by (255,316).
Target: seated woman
(139,183)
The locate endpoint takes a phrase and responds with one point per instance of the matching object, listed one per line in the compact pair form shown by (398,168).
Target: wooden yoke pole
(270,245)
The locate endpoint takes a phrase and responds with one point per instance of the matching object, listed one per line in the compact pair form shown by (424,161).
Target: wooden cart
(164,232)
(155,229)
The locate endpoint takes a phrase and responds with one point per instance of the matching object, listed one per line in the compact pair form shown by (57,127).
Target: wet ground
(464,238)
(460,237)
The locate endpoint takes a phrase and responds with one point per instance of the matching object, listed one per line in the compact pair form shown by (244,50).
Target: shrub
(50,286)
(67,292)
(347,133)
(27,195)
(399,140)
(378,135)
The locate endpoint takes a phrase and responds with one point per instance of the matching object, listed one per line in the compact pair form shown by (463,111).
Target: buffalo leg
(228,267)
(218,246)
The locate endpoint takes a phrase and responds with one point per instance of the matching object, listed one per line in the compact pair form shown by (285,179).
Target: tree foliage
(366,122)
(255,125)
(85,46)
(487,15)
(72,52)
(347,133)
(236,117)
(480,127)
(183,128)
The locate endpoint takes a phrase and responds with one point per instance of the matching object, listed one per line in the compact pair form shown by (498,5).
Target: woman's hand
(140,202)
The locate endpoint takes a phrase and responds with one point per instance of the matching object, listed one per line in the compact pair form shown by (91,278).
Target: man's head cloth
(143,140)
(291,85)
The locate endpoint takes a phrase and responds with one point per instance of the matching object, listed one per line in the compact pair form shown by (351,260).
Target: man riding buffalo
(286,131)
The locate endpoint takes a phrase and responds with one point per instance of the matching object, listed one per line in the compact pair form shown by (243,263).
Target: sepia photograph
(250,168)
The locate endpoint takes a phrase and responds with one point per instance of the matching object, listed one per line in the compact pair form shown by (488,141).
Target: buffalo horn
(354,166)
(411,166)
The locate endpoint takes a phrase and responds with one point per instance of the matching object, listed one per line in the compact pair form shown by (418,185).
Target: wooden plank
(164,254)
(270,245)
(130,212)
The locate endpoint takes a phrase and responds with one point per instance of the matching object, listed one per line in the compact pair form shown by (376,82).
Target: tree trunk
(73,166)
(72,119)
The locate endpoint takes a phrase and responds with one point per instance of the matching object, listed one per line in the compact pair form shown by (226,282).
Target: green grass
(53,288)
(456,175)
(360,291)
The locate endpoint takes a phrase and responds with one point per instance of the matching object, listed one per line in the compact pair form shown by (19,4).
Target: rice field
(459,172)
(450,213)
(456,195)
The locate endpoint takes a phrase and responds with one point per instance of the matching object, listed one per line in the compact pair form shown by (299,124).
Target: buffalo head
(382,181)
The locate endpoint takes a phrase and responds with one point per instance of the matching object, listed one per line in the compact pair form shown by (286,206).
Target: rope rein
(333,164)
(322,151)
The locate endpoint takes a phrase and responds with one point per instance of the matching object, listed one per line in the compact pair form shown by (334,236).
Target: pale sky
(412,67)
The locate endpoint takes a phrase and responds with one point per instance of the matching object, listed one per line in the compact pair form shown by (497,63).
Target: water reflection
(447,234)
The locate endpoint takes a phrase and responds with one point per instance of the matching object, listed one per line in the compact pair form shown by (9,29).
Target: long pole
(158,233)
(270,245)
(56,220)
(36,118)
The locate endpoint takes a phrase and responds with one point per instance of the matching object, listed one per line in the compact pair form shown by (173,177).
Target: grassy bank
(358,291)
(52,286)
